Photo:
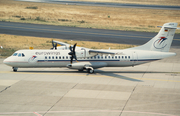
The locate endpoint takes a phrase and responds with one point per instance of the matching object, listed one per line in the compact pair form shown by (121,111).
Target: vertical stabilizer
(162,41)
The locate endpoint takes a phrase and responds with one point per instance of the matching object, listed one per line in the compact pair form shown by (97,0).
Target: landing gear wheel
(91,71)
(14,69)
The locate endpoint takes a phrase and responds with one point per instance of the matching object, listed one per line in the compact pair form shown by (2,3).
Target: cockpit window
(19,55)
(23,55)
(15,54)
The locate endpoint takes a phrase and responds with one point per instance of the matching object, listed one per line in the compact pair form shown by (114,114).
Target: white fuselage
(60,58)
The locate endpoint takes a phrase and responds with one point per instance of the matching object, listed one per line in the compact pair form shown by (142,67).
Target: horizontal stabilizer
(169,27)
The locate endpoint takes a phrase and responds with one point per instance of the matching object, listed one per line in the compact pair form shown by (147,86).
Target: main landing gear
(91,71)
(15,69)
(88,69)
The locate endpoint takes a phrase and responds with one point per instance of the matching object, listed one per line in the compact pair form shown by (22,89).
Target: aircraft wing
(62,43)
(99,52)
(103,52)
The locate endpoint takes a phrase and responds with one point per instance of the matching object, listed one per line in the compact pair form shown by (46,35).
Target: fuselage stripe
(98,60)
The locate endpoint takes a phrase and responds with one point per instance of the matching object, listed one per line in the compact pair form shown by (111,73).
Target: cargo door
(135,58)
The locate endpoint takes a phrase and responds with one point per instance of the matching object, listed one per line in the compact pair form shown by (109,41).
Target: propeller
(54,45)
(73,53)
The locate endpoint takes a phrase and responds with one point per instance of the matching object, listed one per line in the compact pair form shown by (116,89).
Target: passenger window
(119,57)
(59,57)
(66,57)
(15,54)
(125,56)
(49,57)
(116,57)
(56,57)
(52,57)
(105,57)
(122,56)
(109,57)
(129,57)
(63,57)
(19,55)
(23,55)
(112,57)
(45,57)
(98,57)
(94,57)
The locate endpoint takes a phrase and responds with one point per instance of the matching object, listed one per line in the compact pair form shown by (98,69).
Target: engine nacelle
(85,65)
(83,53)
(63,48)
(78,66)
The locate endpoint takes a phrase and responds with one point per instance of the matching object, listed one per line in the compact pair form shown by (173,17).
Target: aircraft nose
(6,61)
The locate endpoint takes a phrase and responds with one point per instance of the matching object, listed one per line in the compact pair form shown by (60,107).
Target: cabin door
(135,58)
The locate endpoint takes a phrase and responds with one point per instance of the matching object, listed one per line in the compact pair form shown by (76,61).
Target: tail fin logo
(160,43)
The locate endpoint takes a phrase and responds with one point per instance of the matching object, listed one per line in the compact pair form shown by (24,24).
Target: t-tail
(162,41)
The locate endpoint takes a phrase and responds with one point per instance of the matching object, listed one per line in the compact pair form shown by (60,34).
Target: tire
(91,71)
(15,69)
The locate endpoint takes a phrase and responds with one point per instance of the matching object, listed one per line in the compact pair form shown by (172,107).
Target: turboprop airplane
(81,58)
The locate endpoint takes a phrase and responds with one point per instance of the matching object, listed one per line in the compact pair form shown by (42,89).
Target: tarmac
(151,89)
(80,34)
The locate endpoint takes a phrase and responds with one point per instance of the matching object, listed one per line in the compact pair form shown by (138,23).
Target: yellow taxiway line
(91,75)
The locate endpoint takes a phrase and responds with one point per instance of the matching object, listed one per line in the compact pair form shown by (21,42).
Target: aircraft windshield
(23,55)
(19,54)
(15,54)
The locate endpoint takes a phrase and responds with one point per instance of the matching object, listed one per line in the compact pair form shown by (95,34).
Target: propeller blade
(73,53)
(75,57)
(70,47)
(56,46)
(74,47)
(71,59)
(53,43)
(70,53)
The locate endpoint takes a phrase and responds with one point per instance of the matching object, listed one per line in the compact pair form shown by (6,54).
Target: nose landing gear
(15,69)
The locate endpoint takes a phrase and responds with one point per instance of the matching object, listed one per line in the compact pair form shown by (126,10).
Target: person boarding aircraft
(81,58)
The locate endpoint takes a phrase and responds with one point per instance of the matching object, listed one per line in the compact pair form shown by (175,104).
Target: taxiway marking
(91,75)
(90,111)
(37,114)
